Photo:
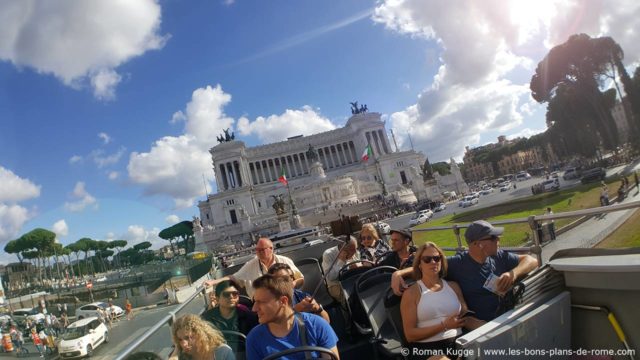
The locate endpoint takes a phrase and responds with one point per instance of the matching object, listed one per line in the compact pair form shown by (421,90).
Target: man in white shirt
(333,260)
(259,266)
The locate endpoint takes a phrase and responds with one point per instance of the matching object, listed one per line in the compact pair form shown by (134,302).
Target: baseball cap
(481,229)
(404,233)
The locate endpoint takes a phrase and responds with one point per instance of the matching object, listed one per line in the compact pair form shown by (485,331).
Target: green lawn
(576,198)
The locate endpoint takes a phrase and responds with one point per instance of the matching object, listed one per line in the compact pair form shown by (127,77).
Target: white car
(440,207)
(469,201)
(418,219)
(486,191)
(383,227)
(551,185)
(506,186)
(427,212)
(90,310)
(20,316)
(82,337)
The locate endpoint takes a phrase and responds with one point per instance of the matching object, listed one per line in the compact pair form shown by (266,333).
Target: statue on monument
(278,204)
(312,154)
(228,136)
(358,110)
(197,225)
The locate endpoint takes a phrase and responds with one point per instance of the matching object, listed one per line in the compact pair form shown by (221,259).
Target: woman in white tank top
(432,307)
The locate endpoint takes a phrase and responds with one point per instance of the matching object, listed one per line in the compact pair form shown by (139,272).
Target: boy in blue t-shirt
(280,326)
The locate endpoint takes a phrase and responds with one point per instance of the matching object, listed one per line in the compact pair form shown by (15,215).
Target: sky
(108,108)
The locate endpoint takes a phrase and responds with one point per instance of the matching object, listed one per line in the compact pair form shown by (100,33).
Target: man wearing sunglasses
(230,314)
(484,272)
(259,266)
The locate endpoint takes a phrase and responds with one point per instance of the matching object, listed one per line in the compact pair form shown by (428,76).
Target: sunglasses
(230,294)
(428,259)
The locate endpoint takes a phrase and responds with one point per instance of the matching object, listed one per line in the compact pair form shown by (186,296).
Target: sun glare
(530,15)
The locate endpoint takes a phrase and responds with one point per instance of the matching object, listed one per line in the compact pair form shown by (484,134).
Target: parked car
(554,174)
(469,201)
(440,207)
(82,337)
(591,175)
(91,309)
(418,219)
(383,227)
(20,316)
(551,185)
(505,186)
(523,176)
(486,191)
(427,212)
(571,173)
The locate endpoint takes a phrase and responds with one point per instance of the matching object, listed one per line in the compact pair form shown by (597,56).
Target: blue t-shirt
(298,295)
(261,343)
(471,276)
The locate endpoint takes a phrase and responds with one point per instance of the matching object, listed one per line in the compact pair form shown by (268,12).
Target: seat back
(314,278)
(392,307)
(237,341)
(371,289)
(246,301)
(314,350)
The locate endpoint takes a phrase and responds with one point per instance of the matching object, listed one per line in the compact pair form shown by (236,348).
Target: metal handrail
(169,319)
(533,221)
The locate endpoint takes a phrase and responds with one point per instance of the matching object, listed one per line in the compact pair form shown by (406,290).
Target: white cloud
(168,167)
(164,169)
(101,159)
(484,49)
(60,228)
(13,216)
(526,133)
(84,199)
(113,175)
(137,234)
(79,42)
(105,137)
(279,127)
(75,159)
(172,219)
(15,188)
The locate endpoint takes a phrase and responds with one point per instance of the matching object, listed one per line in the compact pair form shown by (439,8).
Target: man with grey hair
(334,259)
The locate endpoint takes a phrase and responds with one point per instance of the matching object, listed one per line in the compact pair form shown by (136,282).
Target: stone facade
(247,179)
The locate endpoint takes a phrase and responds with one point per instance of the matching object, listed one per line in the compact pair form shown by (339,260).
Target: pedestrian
(604,194)
(37,341)
(635,177)
(550,224)
(128,308)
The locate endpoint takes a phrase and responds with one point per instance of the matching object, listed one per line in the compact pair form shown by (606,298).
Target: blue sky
(107,109)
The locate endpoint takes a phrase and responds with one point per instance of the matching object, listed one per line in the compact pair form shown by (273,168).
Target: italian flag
(283,177)
(367,153)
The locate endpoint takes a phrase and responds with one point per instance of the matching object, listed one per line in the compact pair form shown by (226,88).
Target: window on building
(403,176)
(234,217)
(259,204)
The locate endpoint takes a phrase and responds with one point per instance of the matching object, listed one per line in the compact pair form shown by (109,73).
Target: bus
(295,236)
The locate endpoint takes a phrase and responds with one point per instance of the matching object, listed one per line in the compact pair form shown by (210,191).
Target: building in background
(323,172)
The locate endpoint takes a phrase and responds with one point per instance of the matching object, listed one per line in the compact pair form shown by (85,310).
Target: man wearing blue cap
(484,272)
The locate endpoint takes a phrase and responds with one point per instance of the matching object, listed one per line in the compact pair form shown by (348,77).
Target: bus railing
(534,222)
(167,320)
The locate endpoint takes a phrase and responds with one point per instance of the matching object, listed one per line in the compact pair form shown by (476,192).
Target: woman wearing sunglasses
(432,307)
(371,247)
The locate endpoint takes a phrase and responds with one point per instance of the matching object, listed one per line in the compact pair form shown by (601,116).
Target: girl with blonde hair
(195,339)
